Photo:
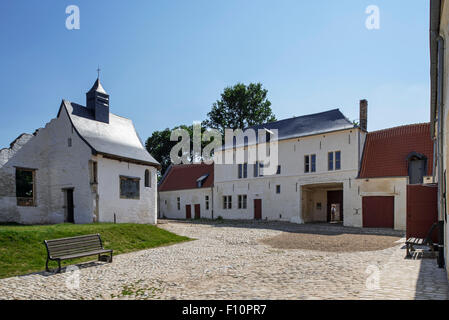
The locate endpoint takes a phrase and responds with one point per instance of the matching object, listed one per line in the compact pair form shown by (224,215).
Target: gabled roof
(328,121)
(386,151)
(186,176)
(117,139)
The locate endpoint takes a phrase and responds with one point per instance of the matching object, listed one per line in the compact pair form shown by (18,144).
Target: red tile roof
(185,176)
(386,151)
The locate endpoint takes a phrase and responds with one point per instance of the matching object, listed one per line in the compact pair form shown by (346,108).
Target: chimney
(97,100)
(363,115)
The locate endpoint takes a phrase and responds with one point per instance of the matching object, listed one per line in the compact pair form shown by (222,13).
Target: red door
(188,211)
(378,212)
(257,209)
(422,210)
(197,211)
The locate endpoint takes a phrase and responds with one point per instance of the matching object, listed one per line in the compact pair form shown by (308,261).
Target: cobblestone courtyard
(229,261)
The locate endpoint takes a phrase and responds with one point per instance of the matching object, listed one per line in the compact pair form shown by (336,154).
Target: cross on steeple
(98,71)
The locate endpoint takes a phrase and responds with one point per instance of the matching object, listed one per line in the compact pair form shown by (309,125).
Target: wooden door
(257,209)
(378,212)
(188,211)
(70,207)
(197,211)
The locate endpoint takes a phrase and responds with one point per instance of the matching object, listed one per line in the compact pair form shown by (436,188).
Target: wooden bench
(76,247)
(427,241)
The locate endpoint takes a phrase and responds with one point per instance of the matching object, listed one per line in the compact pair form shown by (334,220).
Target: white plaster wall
(286,205)
(143,210)
(58,166)
(444,32)
(394,186)
(169,208)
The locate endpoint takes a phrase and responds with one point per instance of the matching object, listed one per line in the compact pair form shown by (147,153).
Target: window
(306,164)
(337,160)
(243,170)
(69,142)
(330,161)
(334,156)
(260,169)
(313,163)
(25,188)
(227,202)
(278,188)
(147,179)
(256,169)
(129,188)
(242,201)
(94,173)
(178,203)
(207,202)
(278,171)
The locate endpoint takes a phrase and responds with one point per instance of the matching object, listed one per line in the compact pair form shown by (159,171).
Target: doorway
(188,211)
(257,209)
(378,212)
(69,205)
(197,211)
(335,206)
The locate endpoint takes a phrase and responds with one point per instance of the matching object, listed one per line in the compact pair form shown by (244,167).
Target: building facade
(392,159)
(439,113)
(85,165)
(186,192)
(318,162)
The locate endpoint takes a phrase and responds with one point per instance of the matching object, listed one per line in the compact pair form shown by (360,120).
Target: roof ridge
(303,116)
(399,127)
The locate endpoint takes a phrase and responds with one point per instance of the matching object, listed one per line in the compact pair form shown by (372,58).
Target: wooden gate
(422,210)
(378,212)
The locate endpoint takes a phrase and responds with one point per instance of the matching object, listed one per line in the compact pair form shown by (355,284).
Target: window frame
(178,203)
(206,201)
(22,201)
(307,163)
(330,161)
(313,162)
(136,179)
(147,179)
(339,160)
(278,189)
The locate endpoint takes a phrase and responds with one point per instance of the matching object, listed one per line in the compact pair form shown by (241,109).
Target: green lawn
(22,249)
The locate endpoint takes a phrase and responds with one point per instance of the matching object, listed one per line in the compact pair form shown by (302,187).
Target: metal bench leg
(59,266)
(110,259)
(46,266)
(408,250)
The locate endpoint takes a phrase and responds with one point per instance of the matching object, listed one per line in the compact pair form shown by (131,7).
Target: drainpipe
(212,200)
(440,87)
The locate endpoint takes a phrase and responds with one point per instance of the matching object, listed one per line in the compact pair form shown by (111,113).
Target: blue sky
(165,62)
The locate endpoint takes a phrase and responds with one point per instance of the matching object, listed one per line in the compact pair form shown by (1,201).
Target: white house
(185,192)
(85,165)
(319,158)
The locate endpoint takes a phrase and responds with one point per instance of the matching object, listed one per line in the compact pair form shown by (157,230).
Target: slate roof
(185,176)
(328,121)
(386,151)
(118,138)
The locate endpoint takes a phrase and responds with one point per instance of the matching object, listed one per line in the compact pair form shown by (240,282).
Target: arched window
(147,179)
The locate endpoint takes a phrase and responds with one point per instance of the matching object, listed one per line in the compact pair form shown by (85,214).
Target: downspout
(440,87)
(212,200)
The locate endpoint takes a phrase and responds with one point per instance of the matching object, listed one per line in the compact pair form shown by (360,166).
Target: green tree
(159,145)
(240,107)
